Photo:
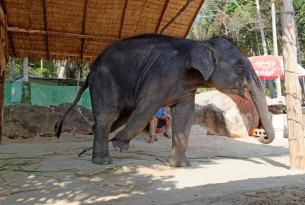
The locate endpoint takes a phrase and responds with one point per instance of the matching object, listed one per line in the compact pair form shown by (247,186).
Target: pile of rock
(29,121)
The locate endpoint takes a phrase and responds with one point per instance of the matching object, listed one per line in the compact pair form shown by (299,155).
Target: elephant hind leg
(101,130)
(100,154)
(137,121)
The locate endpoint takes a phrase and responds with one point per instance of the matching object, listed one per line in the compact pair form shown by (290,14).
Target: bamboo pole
(293,89)
(3,43)
(62,34)
(180,13)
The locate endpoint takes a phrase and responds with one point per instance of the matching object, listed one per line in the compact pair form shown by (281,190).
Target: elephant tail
(58,125)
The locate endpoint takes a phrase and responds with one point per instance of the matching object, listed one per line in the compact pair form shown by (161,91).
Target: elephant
(134,77)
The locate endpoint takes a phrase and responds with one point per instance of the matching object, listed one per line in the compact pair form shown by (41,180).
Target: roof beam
(55,53)
(62,34)
(46,27)
(51,53)
(186,6)
(84,28)
(123,18)
(162,15)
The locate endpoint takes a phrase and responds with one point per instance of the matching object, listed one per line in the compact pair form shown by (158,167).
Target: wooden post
(293,89)
(3,54)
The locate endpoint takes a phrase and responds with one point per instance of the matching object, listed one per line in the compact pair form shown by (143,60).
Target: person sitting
(160,120)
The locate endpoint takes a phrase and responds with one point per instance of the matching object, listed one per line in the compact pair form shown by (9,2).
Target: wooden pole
(3,54)
(62,34)
(293,89)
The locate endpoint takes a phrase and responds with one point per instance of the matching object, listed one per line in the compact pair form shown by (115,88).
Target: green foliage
(237,20)
(75,70)
(202,90)
(48,69)
(236,5)
(299,7)
(18,67)
(44,69)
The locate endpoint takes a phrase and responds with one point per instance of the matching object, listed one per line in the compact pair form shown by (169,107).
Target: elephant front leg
(140,117)
(182,115)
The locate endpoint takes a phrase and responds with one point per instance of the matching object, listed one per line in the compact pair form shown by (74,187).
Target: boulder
(220,114)
(29,120)
(225,115)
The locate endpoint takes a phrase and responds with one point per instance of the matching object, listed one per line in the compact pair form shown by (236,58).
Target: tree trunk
(26,93)
(62,69)
(270,84)
(12,71)
(25,69)
(41,66)
(261,28)
(293,90)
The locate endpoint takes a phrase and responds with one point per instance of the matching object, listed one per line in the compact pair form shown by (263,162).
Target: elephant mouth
(240,88)
(240,92)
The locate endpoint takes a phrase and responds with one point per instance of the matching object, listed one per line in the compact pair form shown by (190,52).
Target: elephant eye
(240,64)
(240,68)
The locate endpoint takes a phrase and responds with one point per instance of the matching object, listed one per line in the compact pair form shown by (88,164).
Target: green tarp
(45,94)
(13,93)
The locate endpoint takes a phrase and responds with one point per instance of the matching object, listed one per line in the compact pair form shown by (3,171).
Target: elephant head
(224,66)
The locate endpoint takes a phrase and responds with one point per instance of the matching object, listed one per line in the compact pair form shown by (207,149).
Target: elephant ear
(203,59)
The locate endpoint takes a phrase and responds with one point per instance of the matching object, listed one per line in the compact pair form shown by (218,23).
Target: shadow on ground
(223,170)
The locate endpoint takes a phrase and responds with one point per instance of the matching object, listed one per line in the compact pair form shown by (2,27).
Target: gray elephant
(134,77)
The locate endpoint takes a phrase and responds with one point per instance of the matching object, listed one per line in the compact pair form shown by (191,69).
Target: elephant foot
(101,159)
(179,161)
(117,144)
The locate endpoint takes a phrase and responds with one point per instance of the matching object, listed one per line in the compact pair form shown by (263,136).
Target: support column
(3,55)
(293,89)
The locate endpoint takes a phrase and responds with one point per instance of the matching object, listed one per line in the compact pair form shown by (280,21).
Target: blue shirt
(160,112)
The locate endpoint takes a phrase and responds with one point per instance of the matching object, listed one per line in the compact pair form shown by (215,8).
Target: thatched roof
(81,29)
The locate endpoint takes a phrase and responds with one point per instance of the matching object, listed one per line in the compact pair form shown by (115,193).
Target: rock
(230,116)
(29,120)
(218,112)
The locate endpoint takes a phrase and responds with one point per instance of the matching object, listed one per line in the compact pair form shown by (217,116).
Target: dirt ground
(224,171)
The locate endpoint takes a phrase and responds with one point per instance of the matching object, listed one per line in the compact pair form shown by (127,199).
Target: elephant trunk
(258,95)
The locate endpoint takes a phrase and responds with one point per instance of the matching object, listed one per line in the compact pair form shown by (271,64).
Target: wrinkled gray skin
(133,78)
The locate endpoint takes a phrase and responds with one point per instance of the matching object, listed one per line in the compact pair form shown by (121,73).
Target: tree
(299,6)
(238,21)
